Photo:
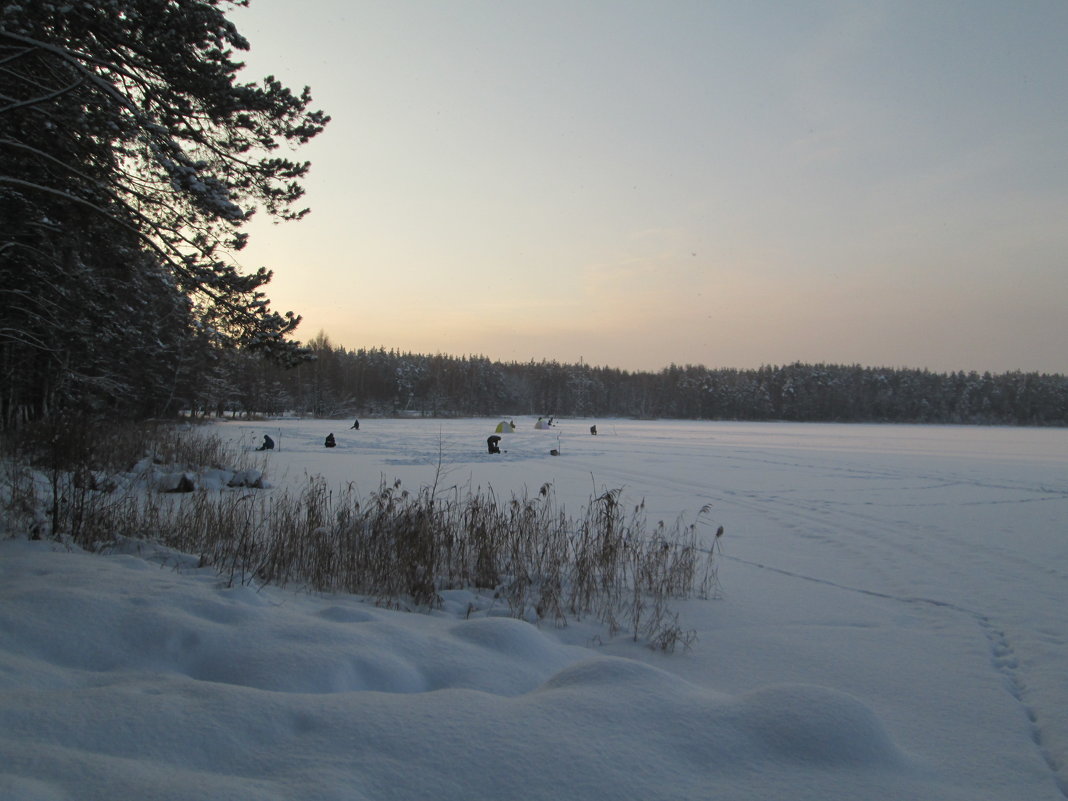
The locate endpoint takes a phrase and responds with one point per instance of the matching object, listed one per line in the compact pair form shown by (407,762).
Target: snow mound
(123,612)
(817,725)
(618,674)
(502,636)
(138,674)
(174,478)
(342,614)
(810,725)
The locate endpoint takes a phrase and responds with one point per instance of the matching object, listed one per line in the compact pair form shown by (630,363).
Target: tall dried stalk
(394,546)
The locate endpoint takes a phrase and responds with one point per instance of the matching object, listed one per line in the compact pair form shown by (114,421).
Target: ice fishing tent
(541,424)
(504,427)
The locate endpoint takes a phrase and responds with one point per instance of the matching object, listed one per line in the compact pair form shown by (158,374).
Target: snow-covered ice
(893,625)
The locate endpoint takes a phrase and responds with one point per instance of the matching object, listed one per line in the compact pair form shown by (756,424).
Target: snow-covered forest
(341,382)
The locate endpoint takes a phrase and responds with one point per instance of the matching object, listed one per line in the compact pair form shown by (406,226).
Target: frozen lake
(957,524)
(893,625)
(989,504)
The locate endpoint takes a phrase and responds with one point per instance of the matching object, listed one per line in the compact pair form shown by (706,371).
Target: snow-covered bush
(87,481)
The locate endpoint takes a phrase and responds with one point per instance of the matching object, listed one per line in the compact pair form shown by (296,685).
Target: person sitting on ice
(330,443)
(268,444)
(355,425)
(493,443)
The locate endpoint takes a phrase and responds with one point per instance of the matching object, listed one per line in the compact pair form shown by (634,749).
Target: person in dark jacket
(330,443)
(493,443)
(355,425)
(268,444)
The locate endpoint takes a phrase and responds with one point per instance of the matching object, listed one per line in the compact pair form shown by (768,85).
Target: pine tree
(130,158)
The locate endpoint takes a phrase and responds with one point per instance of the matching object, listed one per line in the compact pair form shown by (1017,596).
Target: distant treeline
(341,382)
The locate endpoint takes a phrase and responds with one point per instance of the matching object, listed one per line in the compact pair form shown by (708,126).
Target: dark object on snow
(593,430)
(178,482)
(268,444)
(554,452)
(356,425)
(493,443)
(330,443)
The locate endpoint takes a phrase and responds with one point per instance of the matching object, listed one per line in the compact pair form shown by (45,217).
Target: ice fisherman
(493,443)
(356,425)
(330,443)
(268,444)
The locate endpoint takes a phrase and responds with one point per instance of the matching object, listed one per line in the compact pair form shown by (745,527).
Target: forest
(338,382)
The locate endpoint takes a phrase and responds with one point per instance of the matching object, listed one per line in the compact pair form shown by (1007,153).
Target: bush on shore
(91,486)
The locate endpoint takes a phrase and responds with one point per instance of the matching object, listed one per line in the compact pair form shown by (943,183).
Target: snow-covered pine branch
(125,170)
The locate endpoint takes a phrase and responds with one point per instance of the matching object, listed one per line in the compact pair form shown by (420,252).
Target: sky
(636,184)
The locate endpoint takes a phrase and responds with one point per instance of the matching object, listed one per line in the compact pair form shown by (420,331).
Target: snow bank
(131,677)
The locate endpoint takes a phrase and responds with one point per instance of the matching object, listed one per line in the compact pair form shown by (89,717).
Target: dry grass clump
(397,547)
(402,547)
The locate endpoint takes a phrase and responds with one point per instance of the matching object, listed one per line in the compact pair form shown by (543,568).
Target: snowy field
(893,625)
